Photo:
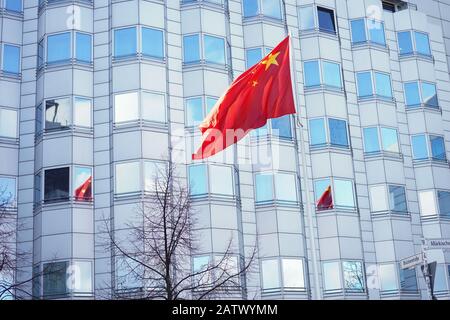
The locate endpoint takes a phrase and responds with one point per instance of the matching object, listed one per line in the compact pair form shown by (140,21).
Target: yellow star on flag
(271,59)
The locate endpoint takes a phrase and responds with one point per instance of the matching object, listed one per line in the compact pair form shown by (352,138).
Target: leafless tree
(155,251)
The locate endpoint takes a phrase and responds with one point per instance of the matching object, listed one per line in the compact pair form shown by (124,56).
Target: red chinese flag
(262,92)
(326,200)
(84,192)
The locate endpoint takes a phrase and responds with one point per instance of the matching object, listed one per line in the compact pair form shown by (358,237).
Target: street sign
(438,243)
(411,262)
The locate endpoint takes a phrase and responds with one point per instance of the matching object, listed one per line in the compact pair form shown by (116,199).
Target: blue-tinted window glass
(13,5)
(320,186)
(412,94)
(58,47)
(332,74)
(429,95)
(264,187)
(338,132)
(271,8)
(405,42)
(191,48)
(376,31)
(371,141)
(125,42)
(419,145)
(194,111)
(11,59)
(343,193)
(397,199)
(317,132)
(152,43)
(364,84)
(438,148)
(307,18)
(389,138)
(326,20)
(250,8)
(253,57)
(7,191)
(214,49)
(282,127)
(408,280)
(422,43)
(358,31)
(261,131)
(312,73)
(383,85)
(83,45)
(210,103)
(197,180)
(444,204)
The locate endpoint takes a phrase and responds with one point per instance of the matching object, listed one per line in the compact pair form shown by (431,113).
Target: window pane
(405,42)
(191,48)
(419,145)
(307,18)
(264,187)
(153,107)
(214,49)
(397,199)
(332,74)
(281,127)
(13,5)
(197,180)
(422,43)
(427,203)
(56,184)
(371,141)
(83,46)
(353,276)
(338,132)
(285,187)
(326,19)
(390,140)
(126,107)
(270,274)
(11,59)
(81,277)
(250,8)
(57,113)
(82,112)
(312,74)
(40,53)
(221,180)
(125,42)
(55,278)
(331,276)
(37,188)
(201,264)
(444,203)
(358,31)
(429,96)
(388,278)
(58,47)
(408,280)
(317,132)
(378,201)
(152,43)
(364,84)
(253,57)
(438,148)
(343,192)
(82,184)
(8,123)
(261,131)
(128,274)
(128,177)
(292,273)
(153,171)
(271,8)
(320,186)
(210,103)
(383,85)
(440,281)
(7,192)
(194,111)
(412,94)
(376,31)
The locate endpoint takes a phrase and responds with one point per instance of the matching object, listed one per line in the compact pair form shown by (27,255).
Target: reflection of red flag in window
(326,200)
(84,192)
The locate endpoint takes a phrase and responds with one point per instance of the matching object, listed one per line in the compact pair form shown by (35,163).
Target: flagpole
(307,205)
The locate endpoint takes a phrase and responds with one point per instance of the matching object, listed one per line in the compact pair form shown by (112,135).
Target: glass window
(412,94)
(8,123)
(84,47)
(129,274)
(378,201)
(194,111)
(250,8)
(81,277)
(383,85)
(332,276)
(429,95)
(128,177)
(270,274)
(358,30)
(214,49)
(281,127)
(200,264)
(320,188)
(191,49)
(7,191)
(198,183)
(221,178)
(82,112)
(440,279)
(338,132)
(427,203)
(153,107)
(408,280)
(307,18)
(11,59)
(58,47)
(343,193)
(36,282)
(210,103)
(125,42)
(152,42)
(388,277)
(365,88)
(332,74)
(37,188)
(312,73)
(438,148)
(326,20)
(371,141)
(153,171)
(419,146)
(353,276)
(55,278)
(58,113)
(40,53)
(405,42)
(390,140)
(285,187)
(56,184)
(271,8)
(264,187)
(397,199)
(292,273)
(422,43)
(253,56)
(13,5)
(376,31)
(39,121)
(444,203)
(126,107)
(317,132)
(82,184)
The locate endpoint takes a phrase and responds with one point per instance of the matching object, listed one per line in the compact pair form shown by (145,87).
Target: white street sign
(438,243)
(412,261)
